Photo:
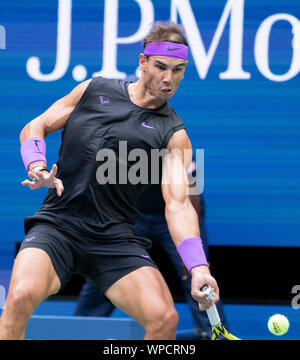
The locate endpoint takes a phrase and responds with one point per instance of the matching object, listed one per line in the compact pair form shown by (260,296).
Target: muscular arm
(181,215)
(53,119)
(56,116)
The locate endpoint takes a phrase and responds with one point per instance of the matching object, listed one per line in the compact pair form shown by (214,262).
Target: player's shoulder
(103,81)
(179,140)
(111,88)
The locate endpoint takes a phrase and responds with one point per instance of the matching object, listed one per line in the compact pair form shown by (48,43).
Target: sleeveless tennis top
(98,144)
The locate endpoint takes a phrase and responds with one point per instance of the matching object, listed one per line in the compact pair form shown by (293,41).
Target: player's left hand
(201,276)
(44,178)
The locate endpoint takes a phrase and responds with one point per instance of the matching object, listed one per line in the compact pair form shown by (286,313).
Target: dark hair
(166,31)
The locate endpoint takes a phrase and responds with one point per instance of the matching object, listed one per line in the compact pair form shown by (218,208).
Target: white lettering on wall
(203,59)
(111,39)
(261,48)
(233,13)
(63,47)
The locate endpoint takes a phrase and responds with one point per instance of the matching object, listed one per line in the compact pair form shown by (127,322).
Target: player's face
(162,75)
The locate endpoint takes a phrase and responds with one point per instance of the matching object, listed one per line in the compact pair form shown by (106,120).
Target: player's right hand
(200,277)
(44,178)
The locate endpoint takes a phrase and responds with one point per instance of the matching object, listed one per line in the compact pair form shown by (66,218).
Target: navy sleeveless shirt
(104,117)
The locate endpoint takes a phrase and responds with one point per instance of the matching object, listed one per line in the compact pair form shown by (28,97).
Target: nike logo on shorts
(31,238)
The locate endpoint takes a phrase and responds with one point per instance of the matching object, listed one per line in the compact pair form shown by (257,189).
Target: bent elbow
(33,128)
(22,136)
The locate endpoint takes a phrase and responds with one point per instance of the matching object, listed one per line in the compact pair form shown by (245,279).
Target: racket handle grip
(213,316)
(212,312)
(209,294)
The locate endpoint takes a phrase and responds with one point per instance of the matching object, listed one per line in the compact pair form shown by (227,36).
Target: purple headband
(167,49)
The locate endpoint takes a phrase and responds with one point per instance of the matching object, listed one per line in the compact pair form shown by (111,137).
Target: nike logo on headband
(169,49)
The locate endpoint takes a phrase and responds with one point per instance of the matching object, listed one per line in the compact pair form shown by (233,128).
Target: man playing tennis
(89,228)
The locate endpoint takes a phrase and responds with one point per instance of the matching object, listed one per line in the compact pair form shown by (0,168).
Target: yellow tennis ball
(278,324)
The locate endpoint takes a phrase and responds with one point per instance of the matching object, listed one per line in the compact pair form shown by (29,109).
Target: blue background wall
(250,129)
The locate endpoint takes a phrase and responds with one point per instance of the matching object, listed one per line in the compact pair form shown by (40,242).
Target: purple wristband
(192,253)
(33,149)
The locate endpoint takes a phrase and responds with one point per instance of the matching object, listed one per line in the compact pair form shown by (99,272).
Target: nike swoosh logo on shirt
(147,126)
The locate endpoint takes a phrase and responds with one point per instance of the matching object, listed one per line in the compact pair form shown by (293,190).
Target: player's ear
(143,62)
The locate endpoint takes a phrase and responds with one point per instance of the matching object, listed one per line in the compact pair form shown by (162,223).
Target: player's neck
(140,96)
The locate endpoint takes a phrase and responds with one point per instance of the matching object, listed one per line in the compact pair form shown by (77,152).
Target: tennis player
(89,228)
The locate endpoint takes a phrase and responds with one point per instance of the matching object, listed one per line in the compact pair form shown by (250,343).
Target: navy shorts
(102,262)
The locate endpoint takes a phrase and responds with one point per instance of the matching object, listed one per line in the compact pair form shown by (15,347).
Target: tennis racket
(214,318)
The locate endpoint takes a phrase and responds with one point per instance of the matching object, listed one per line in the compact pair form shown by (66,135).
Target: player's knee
(172,318)
(21,301)
(164,324)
